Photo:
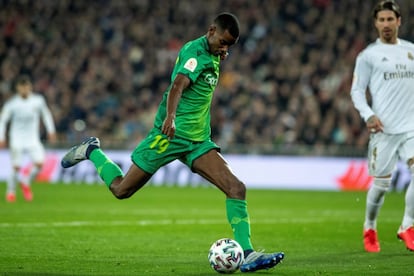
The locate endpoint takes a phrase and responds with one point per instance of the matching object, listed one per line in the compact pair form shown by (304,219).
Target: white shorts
(385,150)
(36,153)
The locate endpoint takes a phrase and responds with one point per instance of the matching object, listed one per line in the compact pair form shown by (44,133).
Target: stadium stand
(103,66)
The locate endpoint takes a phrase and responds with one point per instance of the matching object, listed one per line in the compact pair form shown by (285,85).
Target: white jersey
(388,71)
(24,115)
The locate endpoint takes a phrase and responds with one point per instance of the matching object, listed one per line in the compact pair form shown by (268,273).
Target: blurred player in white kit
(23,111)
(386,67)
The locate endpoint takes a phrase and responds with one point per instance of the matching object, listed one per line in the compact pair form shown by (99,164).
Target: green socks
(239,220)
(106,168)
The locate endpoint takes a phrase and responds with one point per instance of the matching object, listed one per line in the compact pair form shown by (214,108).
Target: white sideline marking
(148,222)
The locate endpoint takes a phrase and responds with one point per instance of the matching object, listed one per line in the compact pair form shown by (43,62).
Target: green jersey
(192,119)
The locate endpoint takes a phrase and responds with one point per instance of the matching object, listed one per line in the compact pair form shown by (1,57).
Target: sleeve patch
(191,64)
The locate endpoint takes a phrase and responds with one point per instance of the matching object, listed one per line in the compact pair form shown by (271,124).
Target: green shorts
(156,150)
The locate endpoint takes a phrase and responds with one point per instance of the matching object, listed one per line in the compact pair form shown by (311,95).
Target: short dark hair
(23,79)
(228,21)
(384,5)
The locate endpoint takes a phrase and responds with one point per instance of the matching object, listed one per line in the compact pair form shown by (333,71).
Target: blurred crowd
(103,66)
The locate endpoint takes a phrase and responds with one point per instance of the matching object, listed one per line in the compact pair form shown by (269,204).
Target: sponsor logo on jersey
(191,64)
(402,71)
(211,79)
(399,75)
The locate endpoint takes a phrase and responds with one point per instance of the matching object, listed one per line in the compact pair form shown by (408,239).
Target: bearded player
(386,67)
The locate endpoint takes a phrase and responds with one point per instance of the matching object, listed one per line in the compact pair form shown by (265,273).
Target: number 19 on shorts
(160,143)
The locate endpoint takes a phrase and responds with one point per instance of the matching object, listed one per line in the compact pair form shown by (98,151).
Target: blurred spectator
(103,66)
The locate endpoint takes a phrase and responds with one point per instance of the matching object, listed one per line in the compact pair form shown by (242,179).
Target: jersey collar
(205,43)
(380,42)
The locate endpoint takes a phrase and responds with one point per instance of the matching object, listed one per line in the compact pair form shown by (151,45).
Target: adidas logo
(384,59)
(356,178)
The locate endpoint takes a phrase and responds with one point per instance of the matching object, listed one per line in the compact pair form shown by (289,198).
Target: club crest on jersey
(410,56)
(191,64)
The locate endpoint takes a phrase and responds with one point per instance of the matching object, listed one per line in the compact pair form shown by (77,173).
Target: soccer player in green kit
(182,131)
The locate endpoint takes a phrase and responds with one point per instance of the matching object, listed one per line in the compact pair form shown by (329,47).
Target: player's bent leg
(215,169)
(124,187)
(120,186)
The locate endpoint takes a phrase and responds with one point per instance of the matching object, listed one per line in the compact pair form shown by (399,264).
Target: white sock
(375,199)
(408,219)
(33,173)
(12,181)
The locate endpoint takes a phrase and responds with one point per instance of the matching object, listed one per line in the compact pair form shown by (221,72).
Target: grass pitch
(84,230)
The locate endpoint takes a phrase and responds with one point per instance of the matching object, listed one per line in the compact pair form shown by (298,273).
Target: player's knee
(122,195)
(382,183)
(119,193)
(237,190)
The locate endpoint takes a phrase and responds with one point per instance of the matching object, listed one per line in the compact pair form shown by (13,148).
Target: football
(225,255)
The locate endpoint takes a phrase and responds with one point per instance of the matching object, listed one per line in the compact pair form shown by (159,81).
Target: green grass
(83,230)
